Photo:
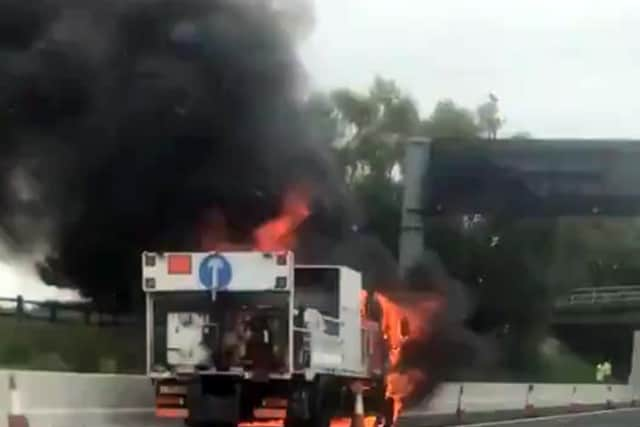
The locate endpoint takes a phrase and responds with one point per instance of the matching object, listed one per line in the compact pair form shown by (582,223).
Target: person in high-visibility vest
(603,371)
(606,369)
(600,372)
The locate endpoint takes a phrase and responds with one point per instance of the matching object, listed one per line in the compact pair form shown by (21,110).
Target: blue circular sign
(215,272)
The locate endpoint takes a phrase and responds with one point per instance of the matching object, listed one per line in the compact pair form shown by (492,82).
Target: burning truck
(241,333)
(250,336)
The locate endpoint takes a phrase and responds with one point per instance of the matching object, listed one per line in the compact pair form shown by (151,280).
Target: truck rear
(250,336)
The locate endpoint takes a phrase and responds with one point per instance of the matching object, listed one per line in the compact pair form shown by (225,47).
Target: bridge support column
(411,245)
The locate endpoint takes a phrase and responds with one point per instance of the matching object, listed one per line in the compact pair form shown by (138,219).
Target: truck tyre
(320,405)
(324,404)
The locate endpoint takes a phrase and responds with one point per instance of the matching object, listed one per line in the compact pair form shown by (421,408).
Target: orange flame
(400,385)
(402,322)
(273,235)
(346,422)
(279,233)
(363,303)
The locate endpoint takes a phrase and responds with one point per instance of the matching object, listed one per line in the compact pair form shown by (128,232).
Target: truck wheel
(318,402)
(324,404)
(294,422)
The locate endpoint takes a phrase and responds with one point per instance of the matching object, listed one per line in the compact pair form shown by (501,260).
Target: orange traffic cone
(357,419)
(16,418)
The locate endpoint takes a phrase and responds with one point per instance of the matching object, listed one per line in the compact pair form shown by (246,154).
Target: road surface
(629,417)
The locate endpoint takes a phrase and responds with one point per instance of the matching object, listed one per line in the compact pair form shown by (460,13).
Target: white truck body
(328,340)
(250,335)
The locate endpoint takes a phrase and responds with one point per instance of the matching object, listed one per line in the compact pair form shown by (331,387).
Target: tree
(322,119)
(368,131)
(449,121)
(374,127)
(522,135)
(488,117)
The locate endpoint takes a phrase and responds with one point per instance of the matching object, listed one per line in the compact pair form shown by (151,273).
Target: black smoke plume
(125,123)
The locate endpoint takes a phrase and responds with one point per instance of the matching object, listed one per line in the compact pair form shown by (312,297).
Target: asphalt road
(616,418)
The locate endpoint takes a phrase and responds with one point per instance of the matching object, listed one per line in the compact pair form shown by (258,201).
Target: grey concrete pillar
(411,245)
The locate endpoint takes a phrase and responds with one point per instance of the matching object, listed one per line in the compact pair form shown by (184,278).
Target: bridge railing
(57,311)
(604,295)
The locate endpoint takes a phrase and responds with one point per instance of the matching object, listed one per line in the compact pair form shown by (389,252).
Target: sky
(565,69)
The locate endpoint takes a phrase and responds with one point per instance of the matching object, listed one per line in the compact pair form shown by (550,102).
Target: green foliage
(564,367)
(68,346)
(488,119)
(382,199)
(522,135)
(373,129)
(16,353)
(321,119)
(450,121)
(368,132)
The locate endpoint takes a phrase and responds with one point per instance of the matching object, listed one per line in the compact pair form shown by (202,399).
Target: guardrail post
(529,408)
(574,405)
(609,399)
(15,415)
(19,306)
(53,312)
(459,407)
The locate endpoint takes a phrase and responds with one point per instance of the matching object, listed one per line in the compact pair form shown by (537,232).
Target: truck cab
(240,336)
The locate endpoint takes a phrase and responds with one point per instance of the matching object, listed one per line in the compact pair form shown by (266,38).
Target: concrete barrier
(479,402)
(447,400)
(590,396)
(52,399)
(4,399)
(487,397)
(550,396)
(635,393)
(619,395)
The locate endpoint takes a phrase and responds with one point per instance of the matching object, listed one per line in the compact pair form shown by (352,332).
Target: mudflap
(212,408)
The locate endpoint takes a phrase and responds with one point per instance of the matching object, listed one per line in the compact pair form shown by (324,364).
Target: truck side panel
(350,330)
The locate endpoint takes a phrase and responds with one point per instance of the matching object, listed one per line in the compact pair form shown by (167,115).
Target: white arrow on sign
(215,266)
